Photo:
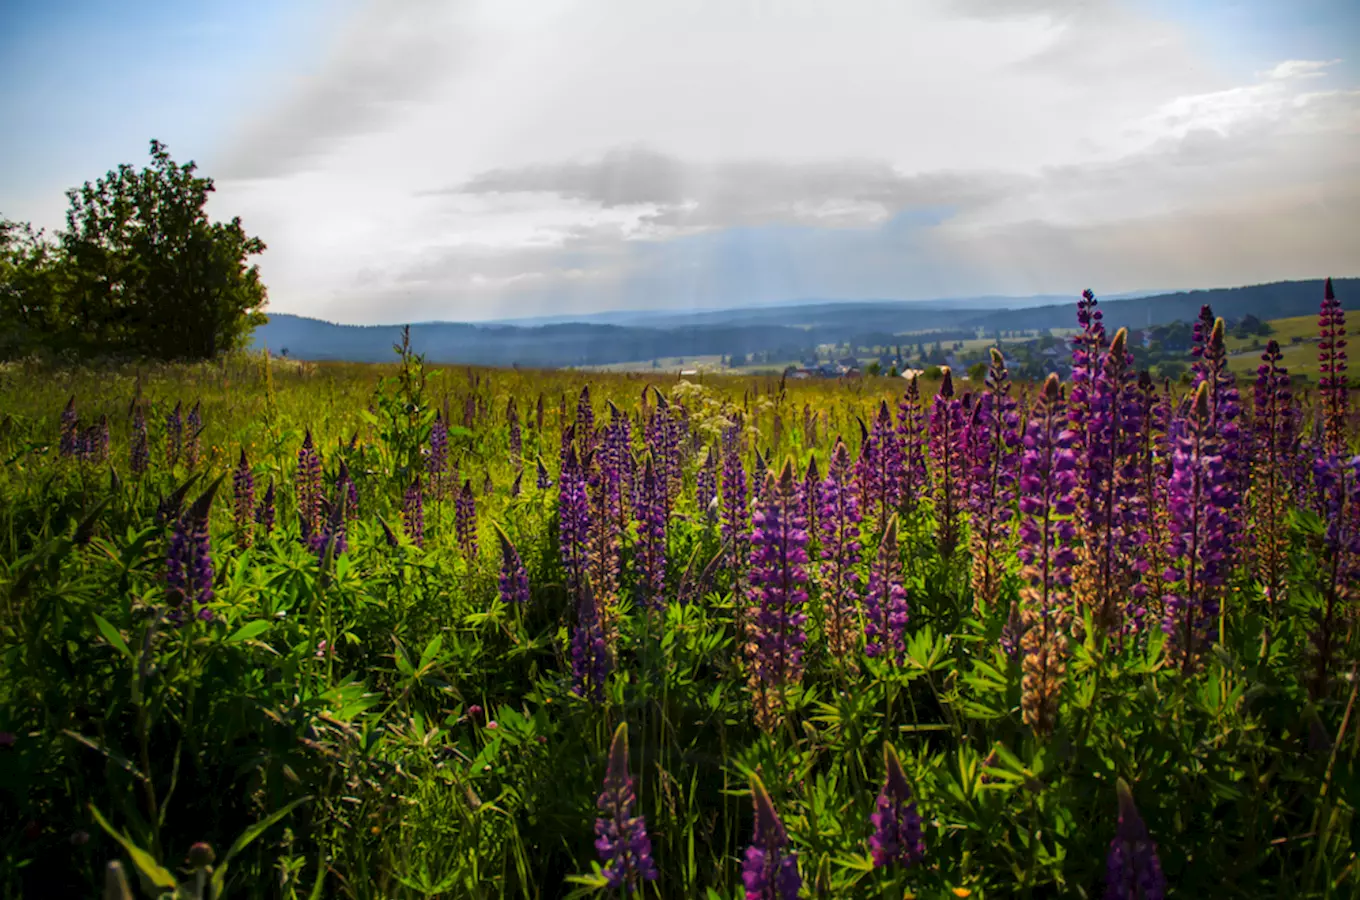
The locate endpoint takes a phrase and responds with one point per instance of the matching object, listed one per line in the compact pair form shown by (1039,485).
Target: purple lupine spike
(1087,349)
(617,460)
(779,575)
(897,838)
(769,870)
(992,450)
(1113,521)
(881,469)
(1333,396)
(243,497)
(585,420)
(516,439)
(69,440)
(568,446)
(139,458)
(946,432)
(1199,342)
(812,480)
(514,578)
(193,427)
(735,527)
(437,463)
(759,472)
(174,435)
(465,521)
(516,486)
(264,515)
(885,601)
(590,659)
(1132,869)
(1048,484)
(621,837)
(308,487)
(838,517)
(333,535)
(603,539)
(573,511)
(651,515)
(911,430)
(189,566)
(662,438)
(1200,501)
(541,479)
(1339,486)
(706,486)
(1275,432)
(413,512)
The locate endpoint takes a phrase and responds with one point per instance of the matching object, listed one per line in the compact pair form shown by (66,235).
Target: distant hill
(785,332)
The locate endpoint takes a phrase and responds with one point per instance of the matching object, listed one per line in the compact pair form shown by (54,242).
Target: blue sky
(476,159)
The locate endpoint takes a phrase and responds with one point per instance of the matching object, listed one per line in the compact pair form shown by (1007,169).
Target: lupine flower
(706,484)
(911,429)
(1132,870)
(1200,501)
(1333,395)
(573,512)
(617,451)
(465,521)
(1339,486)
(69,440)
(514,579)
(769,870)
(897,836)
(885,601)
(1048,484)
(812,480)
(174,435)
(193,428)
(413,512)
(189,567)
(881,468)
(541,479)
(651,513)
(838,517)
(590,659)
(621,837)
(779,576)
(139,459)
(992,449)
(243,496)
(512,424)
(1199,342)
(663,437)
(436,464)
(946,431)
(585,421)
(759,470)
(333,536)
(264,514)
(516,485)
(1087,348)
(603,540)
(308,487)
(1275,433)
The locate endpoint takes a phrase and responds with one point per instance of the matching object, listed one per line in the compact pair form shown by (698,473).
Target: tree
(141,270)
(29,309)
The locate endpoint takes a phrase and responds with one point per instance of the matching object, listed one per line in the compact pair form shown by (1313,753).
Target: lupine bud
(413,512)
(514,580)
(465,521)
(512,424)
(1132,870)
(308,487)
(193,428)
(769,870)
(243,497)
(897,836)
(139,459)
(621,838)
(946,432)
(189,567)
(264,515)
(590,659)
(885,601)
(174,435)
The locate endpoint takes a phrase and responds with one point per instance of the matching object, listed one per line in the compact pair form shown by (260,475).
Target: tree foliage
(140,270)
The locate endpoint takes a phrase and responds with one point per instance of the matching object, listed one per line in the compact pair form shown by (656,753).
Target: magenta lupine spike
(436,464)
(838,518)
(516,439)
(1200,501)
(308,487)
(946,433)
(514,578)
(769,870)
(1113,523)
(174,435)
(1048,487)
(1333,396)
(590,659)
(193,427)
(1132,869)
(264,514)
(992,450)
(69,440)
(139,454)
(897,838)
(413,512)
(465,521)
(881,468)
(243,496)
(779,577)
(706,486)
(911,429)
(573,511)
(1275,433)
(621,837)
(585,421)
(885,602)
(1338,484)
(651,513)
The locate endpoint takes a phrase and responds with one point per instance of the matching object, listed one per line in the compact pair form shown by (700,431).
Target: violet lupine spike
(897,838)
(1112,518)
(1048,486)
(651,514)
(1132,869)
(1225,409)
(812,480)
(69,440)
(1339,486)
(174,435)
(617,456)
(436,464)
(573,511)
(413,512)
(603,539)
(264,514)
(590,659)
(193,427)
(541,478)
(514,578)
(139,458)
(189,566)
(621,837)
(911,429)
(946,432)
(1087,349)
(1333,395)
(735,527)
(838,518)
(992,450)
(465,521)
(308,487)
(885,602)
(516,438)
(1200,502)
(1199,342)
(1275,432)
(585,421)
(515,486)
(881,468)
(759,471)
(706,486)
(243,497)
(769,870)
(779,577)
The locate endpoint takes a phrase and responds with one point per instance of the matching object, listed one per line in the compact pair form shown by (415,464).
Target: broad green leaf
(145,862)
(248,631)
(111,635)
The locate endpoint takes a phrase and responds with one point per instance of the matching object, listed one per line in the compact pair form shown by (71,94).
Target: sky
(417,160)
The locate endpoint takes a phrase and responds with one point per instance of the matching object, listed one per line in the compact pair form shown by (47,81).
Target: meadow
(277,629)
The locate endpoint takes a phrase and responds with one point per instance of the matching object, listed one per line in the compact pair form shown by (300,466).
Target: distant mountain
(788,331)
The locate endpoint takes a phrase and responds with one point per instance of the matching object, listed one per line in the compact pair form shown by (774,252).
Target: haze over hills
(787,331)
